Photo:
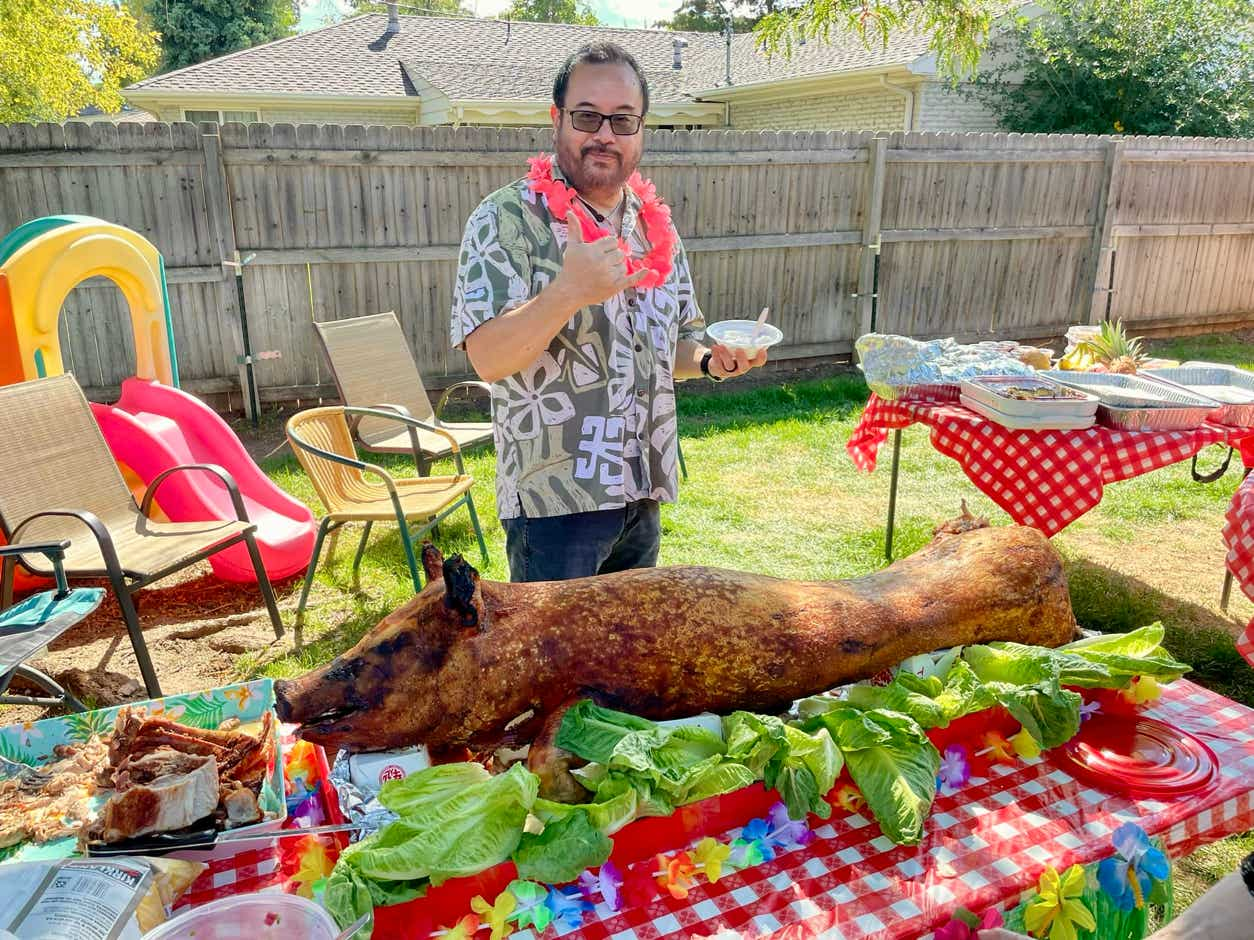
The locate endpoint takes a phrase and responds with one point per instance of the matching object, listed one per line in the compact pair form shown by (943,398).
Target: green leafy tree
(707,16)
(420,7)
(1126,66)
(59,56)
(195,30)
(552,11)
(957,28)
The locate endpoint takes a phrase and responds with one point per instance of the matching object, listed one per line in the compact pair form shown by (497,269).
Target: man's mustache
(596,148)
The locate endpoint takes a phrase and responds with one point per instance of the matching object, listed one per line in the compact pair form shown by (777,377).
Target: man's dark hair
(598,53)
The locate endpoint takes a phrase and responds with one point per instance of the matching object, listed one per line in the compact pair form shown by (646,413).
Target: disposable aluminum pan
(1233,388)
(1132,391)
(1140,403)
(1153,419)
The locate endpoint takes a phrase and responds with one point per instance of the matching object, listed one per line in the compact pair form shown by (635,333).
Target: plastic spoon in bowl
(757,327)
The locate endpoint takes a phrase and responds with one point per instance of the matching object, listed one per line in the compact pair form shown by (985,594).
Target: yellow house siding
(868,110)
(943,108)
(314,115)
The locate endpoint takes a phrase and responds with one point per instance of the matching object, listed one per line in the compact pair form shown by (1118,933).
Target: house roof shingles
(482,58)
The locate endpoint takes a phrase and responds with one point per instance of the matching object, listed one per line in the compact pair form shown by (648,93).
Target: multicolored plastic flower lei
(1129,876)
(654,214)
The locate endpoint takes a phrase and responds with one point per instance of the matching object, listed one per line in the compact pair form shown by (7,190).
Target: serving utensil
(757,327)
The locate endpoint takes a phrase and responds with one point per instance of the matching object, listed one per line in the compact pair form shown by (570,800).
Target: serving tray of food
(1232,387)
(1022,422)
(167,774)
(1030,397)
(1139,402)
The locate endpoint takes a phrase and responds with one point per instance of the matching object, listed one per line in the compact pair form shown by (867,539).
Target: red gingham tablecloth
(1044,479)
(984,846)
(1239,537)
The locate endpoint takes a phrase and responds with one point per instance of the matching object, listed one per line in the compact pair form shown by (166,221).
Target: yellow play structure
(42,261)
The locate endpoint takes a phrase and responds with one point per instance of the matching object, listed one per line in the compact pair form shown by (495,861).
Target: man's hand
(593,272)
(726,362)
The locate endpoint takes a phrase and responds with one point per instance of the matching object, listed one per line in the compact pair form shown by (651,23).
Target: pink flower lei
(655,214)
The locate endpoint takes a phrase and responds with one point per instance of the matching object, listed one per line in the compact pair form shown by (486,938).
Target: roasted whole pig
(465,658)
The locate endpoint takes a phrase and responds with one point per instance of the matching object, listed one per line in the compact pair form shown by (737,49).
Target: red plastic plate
(1138,757)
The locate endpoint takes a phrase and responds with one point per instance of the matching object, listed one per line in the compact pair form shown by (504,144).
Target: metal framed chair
(30,625)
(373,368)
(60,483)
(355,491)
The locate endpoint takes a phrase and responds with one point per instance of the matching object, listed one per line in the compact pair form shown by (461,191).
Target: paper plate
(1138,757)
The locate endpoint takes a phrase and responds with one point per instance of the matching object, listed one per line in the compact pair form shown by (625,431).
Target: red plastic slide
(154,427)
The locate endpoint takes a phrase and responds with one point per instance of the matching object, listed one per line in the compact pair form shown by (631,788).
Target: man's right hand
(593,272)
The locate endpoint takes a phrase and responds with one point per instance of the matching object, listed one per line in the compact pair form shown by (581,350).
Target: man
(581,356)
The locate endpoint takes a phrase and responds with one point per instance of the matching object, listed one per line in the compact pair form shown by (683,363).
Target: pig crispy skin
(453,666)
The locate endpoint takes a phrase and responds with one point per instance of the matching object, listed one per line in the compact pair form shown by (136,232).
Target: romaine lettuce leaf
(1124,655)
(893,764)
(563,850)
(459,833)
(593,732)
(1048,713)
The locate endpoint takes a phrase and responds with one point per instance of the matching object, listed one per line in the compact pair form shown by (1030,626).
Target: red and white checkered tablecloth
(1044,479)
(984,846)
(1239,537)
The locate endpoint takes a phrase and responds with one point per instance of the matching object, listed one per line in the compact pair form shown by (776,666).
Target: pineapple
(1113,351)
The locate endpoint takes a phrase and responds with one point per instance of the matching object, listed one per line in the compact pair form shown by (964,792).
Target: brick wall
(941,108)
(869,110)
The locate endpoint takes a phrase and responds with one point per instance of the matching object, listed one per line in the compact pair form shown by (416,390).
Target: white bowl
(738,334)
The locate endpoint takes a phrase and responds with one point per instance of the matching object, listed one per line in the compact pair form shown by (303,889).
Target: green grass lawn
(771,490)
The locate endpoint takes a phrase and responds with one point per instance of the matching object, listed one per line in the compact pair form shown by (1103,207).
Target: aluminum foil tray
(1233,388)
(1152,419)
(1133,391)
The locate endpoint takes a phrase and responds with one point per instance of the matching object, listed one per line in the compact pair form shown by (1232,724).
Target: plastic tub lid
(249,917)
(1138,757)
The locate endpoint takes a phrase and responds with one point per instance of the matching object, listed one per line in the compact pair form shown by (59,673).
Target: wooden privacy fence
(965,234)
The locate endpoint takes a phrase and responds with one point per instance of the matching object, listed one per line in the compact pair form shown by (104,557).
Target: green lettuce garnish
(563,850)
(892,762)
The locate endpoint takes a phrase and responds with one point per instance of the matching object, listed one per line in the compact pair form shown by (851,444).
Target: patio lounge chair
(59,482)
(373,368)
(29,626)
(324,446)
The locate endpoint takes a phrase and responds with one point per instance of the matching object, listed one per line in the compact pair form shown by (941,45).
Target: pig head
(414,678)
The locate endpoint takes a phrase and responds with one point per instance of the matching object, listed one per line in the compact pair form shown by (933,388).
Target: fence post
(1095,289)
(221,224)
(877,149)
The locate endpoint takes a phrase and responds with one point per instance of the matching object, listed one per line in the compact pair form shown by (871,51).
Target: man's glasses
(589,122)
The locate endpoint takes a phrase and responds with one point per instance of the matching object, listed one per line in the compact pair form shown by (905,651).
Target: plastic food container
(1021,422)
(1030,397)
(738,334)
(251,917)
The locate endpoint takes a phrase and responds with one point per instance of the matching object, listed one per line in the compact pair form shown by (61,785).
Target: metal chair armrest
(232,488)
(99,531)
(53,551)
(400,414)
(439,406)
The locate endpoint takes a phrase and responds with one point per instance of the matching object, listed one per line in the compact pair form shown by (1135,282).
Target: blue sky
(611,12)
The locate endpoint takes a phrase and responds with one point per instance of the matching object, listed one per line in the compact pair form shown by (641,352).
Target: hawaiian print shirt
(591,424)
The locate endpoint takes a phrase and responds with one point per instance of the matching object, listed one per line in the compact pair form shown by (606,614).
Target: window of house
(220,117)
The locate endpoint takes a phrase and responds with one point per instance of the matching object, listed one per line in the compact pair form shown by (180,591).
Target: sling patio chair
(30,625)
(373,368)
(355,491)
(59,482)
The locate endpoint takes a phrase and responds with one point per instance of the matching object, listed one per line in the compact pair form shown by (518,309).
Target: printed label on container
(86,900)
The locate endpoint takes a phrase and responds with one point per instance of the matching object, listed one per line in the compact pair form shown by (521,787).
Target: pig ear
(432,562)
(461,595)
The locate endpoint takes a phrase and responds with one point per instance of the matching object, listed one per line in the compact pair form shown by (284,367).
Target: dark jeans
(581,544)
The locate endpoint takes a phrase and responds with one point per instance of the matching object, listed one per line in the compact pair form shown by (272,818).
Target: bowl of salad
(739,334)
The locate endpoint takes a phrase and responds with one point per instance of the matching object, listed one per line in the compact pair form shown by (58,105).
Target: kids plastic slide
(154,427)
